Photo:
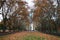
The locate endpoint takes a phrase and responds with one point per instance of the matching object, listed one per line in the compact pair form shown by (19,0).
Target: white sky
(30,3)
(0,18)
(0,15)
(55,3)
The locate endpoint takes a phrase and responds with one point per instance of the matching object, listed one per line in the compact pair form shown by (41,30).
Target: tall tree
(44,12)
(13,12)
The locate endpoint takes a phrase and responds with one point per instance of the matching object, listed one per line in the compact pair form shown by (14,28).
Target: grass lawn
(31,37)
(28,36)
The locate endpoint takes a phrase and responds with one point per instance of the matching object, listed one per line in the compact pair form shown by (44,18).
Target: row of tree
(48,15)
(15,14)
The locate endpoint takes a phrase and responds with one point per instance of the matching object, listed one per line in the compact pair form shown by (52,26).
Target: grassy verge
(28,37)
(31,37)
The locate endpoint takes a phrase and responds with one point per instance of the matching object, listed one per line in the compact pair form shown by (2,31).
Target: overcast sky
(30,3)
(0,15)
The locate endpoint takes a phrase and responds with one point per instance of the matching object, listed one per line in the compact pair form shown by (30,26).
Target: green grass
(31,37)
(28,37)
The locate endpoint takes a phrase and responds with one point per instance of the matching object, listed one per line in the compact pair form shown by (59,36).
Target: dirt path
(22,34)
